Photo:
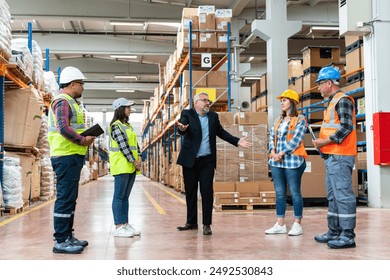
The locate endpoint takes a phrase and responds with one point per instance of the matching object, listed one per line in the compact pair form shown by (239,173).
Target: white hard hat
(122,102)
(69,74)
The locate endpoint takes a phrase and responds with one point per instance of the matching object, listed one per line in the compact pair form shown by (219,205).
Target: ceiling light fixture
(126,23)
(126,77)
(252,78)
(125,90)
(122,56)
(165,23)
(335,28)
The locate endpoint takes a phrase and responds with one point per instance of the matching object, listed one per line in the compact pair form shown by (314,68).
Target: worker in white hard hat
(67,151)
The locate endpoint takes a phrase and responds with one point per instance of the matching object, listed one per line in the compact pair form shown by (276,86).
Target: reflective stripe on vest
(331,124)
(118,162)
(300,151)
(59,145)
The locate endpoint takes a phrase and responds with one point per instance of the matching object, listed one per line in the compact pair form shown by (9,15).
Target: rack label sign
(206,60)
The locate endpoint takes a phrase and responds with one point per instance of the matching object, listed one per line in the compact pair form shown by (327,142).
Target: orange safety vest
(331,124)
(300,151)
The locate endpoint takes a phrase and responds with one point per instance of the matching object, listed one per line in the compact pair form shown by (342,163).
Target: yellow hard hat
(291,94)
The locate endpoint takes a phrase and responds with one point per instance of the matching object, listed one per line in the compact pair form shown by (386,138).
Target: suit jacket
(193,137)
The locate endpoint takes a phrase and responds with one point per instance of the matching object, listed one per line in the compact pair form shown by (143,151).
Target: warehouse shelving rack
(187,62)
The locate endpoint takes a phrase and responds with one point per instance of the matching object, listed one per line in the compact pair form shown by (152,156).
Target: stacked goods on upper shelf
(354,63)
(5,30)
(37,71)
(259,94)
(22,57)
(314,58)
(22,115)
(209,27)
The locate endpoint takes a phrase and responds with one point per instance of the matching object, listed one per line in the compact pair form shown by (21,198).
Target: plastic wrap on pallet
(51,84)
(22,56)
(12,183)
(5,30)
(47,173)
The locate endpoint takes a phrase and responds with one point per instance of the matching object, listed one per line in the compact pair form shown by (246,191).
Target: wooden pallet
(17,71)
(12,211)
(243,207)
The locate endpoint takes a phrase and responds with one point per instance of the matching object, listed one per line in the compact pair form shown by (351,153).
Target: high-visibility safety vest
(118,162)
(59,145)
(331,124)
(300,151)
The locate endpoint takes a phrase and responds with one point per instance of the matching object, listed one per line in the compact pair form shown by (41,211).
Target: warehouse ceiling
(82,33)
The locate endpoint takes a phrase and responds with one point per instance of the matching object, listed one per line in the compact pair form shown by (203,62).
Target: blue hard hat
(328,73)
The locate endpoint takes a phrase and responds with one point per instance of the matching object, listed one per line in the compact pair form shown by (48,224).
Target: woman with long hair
(125,163)
(287,161)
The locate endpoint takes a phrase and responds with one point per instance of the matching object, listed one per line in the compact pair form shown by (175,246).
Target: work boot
(67,247)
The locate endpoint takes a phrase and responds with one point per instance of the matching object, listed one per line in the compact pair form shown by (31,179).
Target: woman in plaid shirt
(287,161)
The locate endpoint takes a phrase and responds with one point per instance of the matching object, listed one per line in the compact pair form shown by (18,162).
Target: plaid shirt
(63,114)
(289,160)
(344,109)
(123,145)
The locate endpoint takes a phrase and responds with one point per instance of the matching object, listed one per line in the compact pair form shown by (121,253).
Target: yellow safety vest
(59,145)
(300,151)
(118,162)
(331,124)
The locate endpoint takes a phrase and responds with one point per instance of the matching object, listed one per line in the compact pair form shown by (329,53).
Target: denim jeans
(68,171)
(291,177)
(123,183)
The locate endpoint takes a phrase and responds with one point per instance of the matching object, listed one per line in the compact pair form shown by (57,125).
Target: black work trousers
(201,174)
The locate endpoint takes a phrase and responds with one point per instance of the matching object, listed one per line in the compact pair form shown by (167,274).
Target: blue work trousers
(68,170)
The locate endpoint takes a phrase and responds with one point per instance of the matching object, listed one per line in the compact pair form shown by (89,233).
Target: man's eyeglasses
(80,83)
(322,82)
(205,100)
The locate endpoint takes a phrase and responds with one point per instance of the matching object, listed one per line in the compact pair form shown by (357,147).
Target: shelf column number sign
(206,60)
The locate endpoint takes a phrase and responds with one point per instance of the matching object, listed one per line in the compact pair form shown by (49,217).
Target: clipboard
(95,130)
(314,137)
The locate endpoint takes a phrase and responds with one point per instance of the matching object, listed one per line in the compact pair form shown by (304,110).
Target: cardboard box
(295,68)
(353,60)
(217,79)
(222,41)
(224,187)
(225,118)
(318,56)
(227,194)
(190,15)
(206,21)
(199,78)
(313,179)
(183,40)
(250,118)
(22,117)
(265,185)
(208,40)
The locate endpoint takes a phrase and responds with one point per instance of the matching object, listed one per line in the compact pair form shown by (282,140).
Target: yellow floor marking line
(17,216)
(173,195)
(155,204)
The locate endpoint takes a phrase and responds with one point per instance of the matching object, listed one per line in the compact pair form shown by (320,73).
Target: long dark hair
(293,109)
(119,114)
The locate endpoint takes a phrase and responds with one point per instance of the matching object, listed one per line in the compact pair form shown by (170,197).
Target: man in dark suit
(200,128)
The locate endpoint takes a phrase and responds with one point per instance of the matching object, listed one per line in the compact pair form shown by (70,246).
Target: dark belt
(325,156)
(203,157)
